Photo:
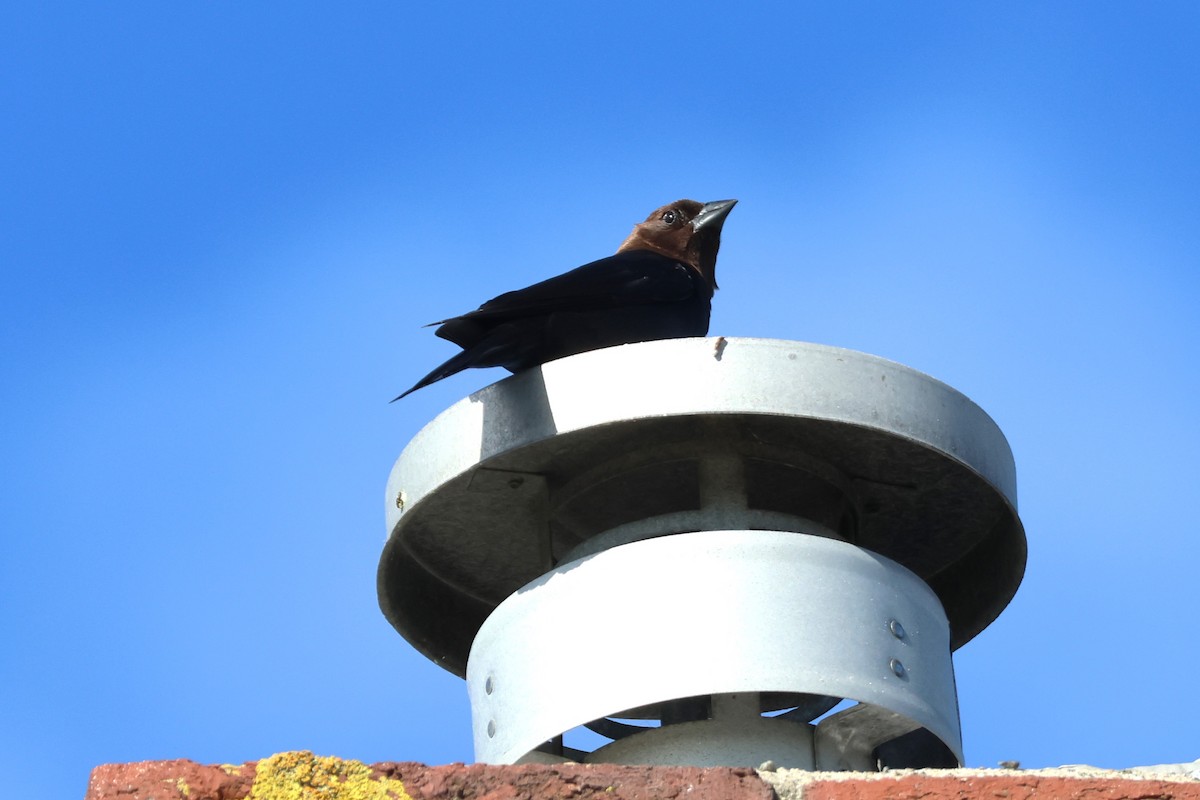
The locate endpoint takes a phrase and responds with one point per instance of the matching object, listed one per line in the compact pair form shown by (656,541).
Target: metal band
(717,613)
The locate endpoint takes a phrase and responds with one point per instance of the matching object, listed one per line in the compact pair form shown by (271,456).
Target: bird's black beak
(712,215)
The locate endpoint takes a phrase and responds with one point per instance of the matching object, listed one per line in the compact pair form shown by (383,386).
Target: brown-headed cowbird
(659,285)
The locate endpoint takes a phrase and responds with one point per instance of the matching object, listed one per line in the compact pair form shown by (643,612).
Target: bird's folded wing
(632,277)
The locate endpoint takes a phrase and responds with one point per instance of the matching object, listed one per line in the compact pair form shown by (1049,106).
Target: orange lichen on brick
(300,775)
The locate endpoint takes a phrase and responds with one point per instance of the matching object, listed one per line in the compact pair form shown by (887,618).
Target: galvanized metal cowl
(706,551)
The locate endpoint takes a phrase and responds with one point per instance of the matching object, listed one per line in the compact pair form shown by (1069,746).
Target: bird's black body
(637,295)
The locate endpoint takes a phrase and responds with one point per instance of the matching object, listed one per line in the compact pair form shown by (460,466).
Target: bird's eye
(670,217)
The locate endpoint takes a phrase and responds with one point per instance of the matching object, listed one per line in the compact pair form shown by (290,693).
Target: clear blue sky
(222,225)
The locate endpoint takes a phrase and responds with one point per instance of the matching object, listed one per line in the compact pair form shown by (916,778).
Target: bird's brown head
(685,230)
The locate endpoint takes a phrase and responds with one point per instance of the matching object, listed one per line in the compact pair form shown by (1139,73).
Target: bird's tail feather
(451,366)
(507,346)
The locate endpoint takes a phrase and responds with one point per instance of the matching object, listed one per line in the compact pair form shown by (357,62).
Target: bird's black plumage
(659,285)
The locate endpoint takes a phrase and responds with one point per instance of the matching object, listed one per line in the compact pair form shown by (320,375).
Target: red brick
(309,776)
(577,781)
(169,780)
